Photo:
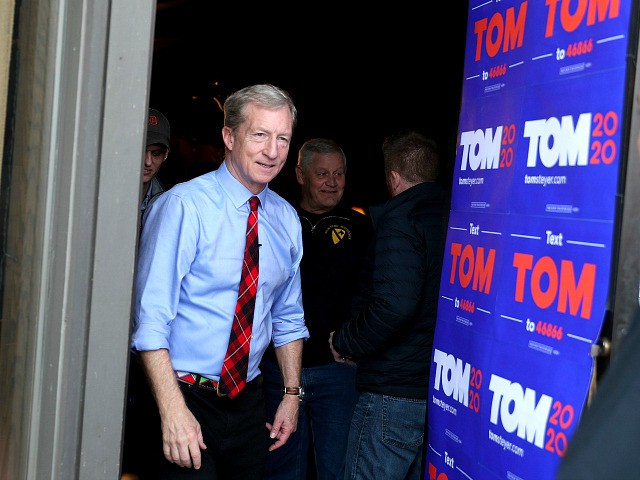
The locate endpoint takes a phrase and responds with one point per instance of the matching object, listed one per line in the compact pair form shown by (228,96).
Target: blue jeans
(386,438)
(323,421)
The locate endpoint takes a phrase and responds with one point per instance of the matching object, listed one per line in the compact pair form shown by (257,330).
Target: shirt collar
(238,193)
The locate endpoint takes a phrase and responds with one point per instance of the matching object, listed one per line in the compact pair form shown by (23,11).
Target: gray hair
(318,145)
(265,95)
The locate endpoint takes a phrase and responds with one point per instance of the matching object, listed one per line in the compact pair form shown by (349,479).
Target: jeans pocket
(403,421)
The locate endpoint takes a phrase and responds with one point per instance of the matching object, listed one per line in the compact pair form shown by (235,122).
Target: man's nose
(271,147)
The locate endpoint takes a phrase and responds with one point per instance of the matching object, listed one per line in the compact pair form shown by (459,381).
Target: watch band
(292,390)
(297,391)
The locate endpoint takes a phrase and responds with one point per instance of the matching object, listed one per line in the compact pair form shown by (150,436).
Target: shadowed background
(356,77)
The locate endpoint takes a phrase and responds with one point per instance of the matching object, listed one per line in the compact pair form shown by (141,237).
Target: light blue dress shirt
(189,261)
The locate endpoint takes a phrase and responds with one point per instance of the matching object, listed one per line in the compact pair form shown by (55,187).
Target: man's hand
(285,421)
(336,356)
(181,434)
(182,438)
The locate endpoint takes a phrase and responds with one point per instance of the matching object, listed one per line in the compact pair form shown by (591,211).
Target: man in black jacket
(334,238)
(390,333)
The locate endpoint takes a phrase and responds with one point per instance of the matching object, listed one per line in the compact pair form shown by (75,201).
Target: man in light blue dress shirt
(190,258)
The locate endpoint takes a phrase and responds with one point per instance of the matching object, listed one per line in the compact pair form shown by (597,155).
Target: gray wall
(70,194)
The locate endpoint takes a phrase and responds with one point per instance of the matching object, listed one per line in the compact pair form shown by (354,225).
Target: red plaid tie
(234,370)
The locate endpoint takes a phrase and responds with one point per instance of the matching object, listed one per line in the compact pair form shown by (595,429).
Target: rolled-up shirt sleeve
(288,317)
(166,252)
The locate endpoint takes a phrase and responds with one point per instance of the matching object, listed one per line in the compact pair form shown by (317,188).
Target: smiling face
(154,155)
(322,182)
(257,149)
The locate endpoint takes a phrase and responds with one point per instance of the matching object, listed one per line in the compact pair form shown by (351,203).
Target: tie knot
(254,202)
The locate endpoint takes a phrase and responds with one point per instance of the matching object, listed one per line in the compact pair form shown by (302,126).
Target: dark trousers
(234,432)
(142,444)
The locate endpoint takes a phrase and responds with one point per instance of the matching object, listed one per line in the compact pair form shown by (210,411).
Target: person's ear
(227,137)
(299,175)
(394,181)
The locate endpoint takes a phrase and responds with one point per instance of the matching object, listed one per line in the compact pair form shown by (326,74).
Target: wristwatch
(297,391)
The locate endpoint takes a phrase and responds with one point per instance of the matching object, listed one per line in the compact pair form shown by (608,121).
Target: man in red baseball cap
(157,151)
(142,449)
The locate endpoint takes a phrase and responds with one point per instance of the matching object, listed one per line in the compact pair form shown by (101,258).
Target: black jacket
(605,444)
(390,333)
(334,247)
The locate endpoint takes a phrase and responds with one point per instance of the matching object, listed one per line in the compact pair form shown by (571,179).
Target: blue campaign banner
(515,43)
(501,413)
(569,147)
(526,273)
(553,285)
(470,280)
(544,161)
(535,282)
(488,139)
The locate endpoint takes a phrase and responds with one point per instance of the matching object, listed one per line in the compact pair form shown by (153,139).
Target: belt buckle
(220,394)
